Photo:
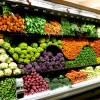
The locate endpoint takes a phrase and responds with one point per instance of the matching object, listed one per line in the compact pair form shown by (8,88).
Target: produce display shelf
(43,35)
(56,9)
(65,91)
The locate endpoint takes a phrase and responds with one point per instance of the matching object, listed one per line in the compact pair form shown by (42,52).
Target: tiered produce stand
(47,50)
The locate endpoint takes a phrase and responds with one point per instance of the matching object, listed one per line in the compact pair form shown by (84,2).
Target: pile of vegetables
(57,82)
(34,24)
(71,47)
(26,69)
(88,30)
(47,61)
(11,22)
(7,65)
(68,28)
(23,53)
(96,46)
(34,83)
(92,72)
(97,71)
(77,76)
(73,29)
(86,57)
(53,28)
(7,89)
(44,42)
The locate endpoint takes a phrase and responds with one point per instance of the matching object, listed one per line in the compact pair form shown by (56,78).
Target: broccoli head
(47,79)
(66,81)
(15,56)
(55,80)
(34,45)
(29,49)
(23,45)
(28,56)
(21,60)
(22,56)
(18,50)
(33,59)
(61,76)
(6,45)
(52,86)
(24,52)
(26,61)
(11,50)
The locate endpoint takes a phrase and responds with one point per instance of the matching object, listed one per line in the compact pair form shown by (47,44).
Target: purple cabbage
(53,63)
(28,66)
(50,67)
(57,63)
(20,66)
(57,58)
(25,69)
(44,68)
(62,59)
(62,63)
(49,54)
(32,69)
(56,67)
(59,54)
(44,53)
(38,69)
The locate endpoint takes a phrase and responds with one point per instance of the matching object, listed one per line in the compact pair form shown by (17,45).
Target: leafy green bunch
(6,10)
(68,28)
(89,30)
(34,24)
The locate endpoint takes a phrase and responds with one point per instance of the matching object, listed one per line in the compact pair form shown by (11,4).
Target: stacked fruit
(87,57)
(77,76)
(7,89)
(34,83)
(7,65)
(57,82)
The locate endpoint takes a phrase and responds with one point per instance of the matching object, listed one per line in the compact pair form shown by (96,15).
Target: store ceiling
(95,4)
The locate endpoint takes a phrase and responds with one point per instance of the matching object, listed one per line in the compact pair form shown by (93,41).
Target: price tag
(19,82)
